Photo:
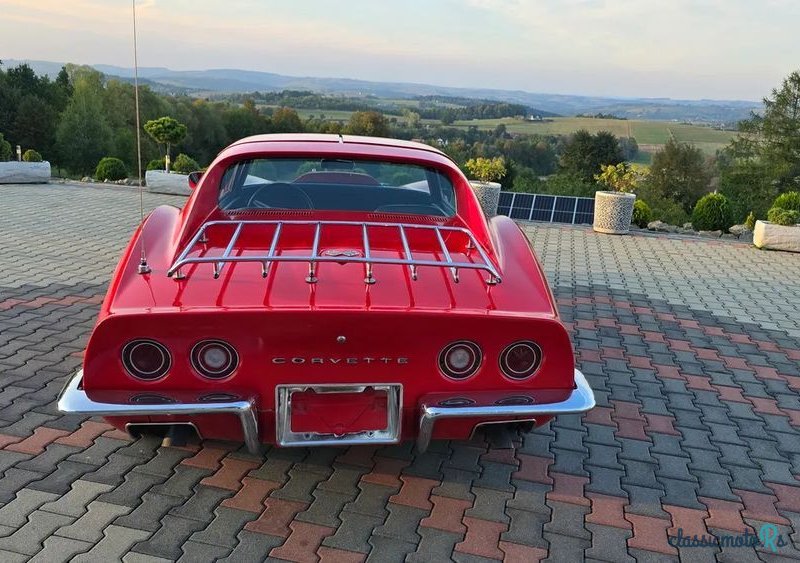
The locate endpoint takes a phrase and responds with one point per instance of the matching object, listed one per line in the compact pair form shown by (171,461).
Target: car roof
(311,139)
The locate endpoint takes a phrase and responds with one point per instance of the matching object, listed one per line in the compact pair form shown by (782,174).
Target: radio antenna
(143,267)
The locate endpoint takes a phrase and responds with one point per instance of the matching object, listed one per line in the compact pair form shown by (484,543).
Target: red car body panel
(287,331)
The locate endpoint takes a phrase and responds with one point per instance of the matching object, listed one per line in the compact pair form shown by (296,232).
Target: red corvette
(327,290)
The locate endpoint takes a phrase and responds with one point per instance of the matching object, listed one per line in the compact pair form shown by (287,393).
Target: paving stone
(15,479)
(223,530)
(526,528)
(148,514)
(402,523)
(609,544)
(90,527)
(567,519)
(28,539)
(372,500)
(435,545)
(131,491)
(15,513)
(74,502)
(194,552)
(325,509)
(60,549)
(252,546)
(201,505)
(389,549)
(569,548)
(166,542)
(354,532)
(61,479)
(489,505)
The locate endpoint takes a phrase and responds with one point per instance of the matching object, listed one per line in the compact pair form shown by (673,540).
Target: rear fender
(523,277)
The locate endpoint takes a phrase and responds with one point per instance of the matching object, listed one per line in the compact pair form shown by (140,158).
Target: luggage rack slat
(314,258)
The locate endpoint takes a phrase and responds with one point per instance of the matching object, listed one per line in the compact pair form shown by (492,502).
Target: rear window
(336,185)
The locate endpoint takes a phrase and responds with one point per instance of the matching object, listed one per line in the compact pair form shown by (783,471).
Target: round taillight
(521,359)
(214,359)
(146,359)
(460,360)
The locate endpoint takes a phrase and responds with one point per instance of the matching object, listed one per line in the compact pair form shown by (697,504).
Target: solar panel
(548,208)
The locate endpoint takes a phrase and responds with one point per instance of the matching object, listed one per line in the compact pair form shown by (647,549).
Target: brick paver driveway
(691,347)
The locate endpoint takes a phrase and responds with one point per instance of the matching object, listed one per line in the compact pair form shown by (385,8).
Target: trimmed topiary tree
(166,131)
(31,155)
(642,214)
(712,213)
(111,168)
(184,164)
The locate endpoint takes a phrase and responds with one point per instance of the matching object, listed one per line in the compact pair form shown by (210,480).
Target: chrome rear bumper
(580,400)
(74,400)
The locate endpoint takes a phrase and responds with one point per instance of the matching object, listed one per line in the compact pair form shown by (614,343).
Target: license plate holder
(372,414)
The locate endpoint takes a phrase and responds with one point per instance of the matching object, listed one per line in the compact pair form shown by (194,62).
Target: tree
(83,134)
(286,120)
(585,153)
(679,173)
(35,124)
(166,131)
(776,133)
(5,149)
(764,160)
(369,123)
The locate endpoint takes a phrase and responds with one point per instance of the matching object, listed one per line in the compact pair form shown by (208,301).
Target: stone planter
(14,172)
(161,182)
(613,212)
(488,194)
(776,237)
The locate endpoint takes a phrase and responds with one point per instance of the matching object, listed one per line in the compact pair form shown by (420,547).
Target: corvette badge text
(768,536)
(334,361)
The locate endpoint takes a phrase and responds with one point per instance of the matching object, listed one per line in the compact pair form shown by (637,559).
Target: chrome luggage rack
(368,258)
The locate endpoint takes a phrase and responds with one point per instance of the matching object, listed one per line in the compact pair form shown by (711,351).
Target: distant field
(650,135)
(645,132)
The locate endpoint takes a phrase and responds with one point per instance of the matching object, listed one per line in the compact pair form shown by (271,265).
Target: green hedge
(111,168)
(31,155)
(642,214)
(788,200)
(184,164)
(786,217)
(712,213)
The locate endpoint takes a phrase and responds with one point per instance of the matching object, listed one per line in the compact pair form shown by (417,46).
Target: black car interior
(336,191)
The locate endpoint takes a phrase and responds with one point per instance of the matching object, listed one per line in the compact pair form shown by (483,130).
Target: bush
(5,149)
(31,155)
(111,168)
(712,213)
(785,217)
(184,164)
(157,164)
(750,222)
(787,200)
(487,169)
(642,214)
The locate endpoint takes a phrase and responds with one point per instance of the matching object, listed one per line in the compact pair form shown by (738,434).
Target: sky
(716,49)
